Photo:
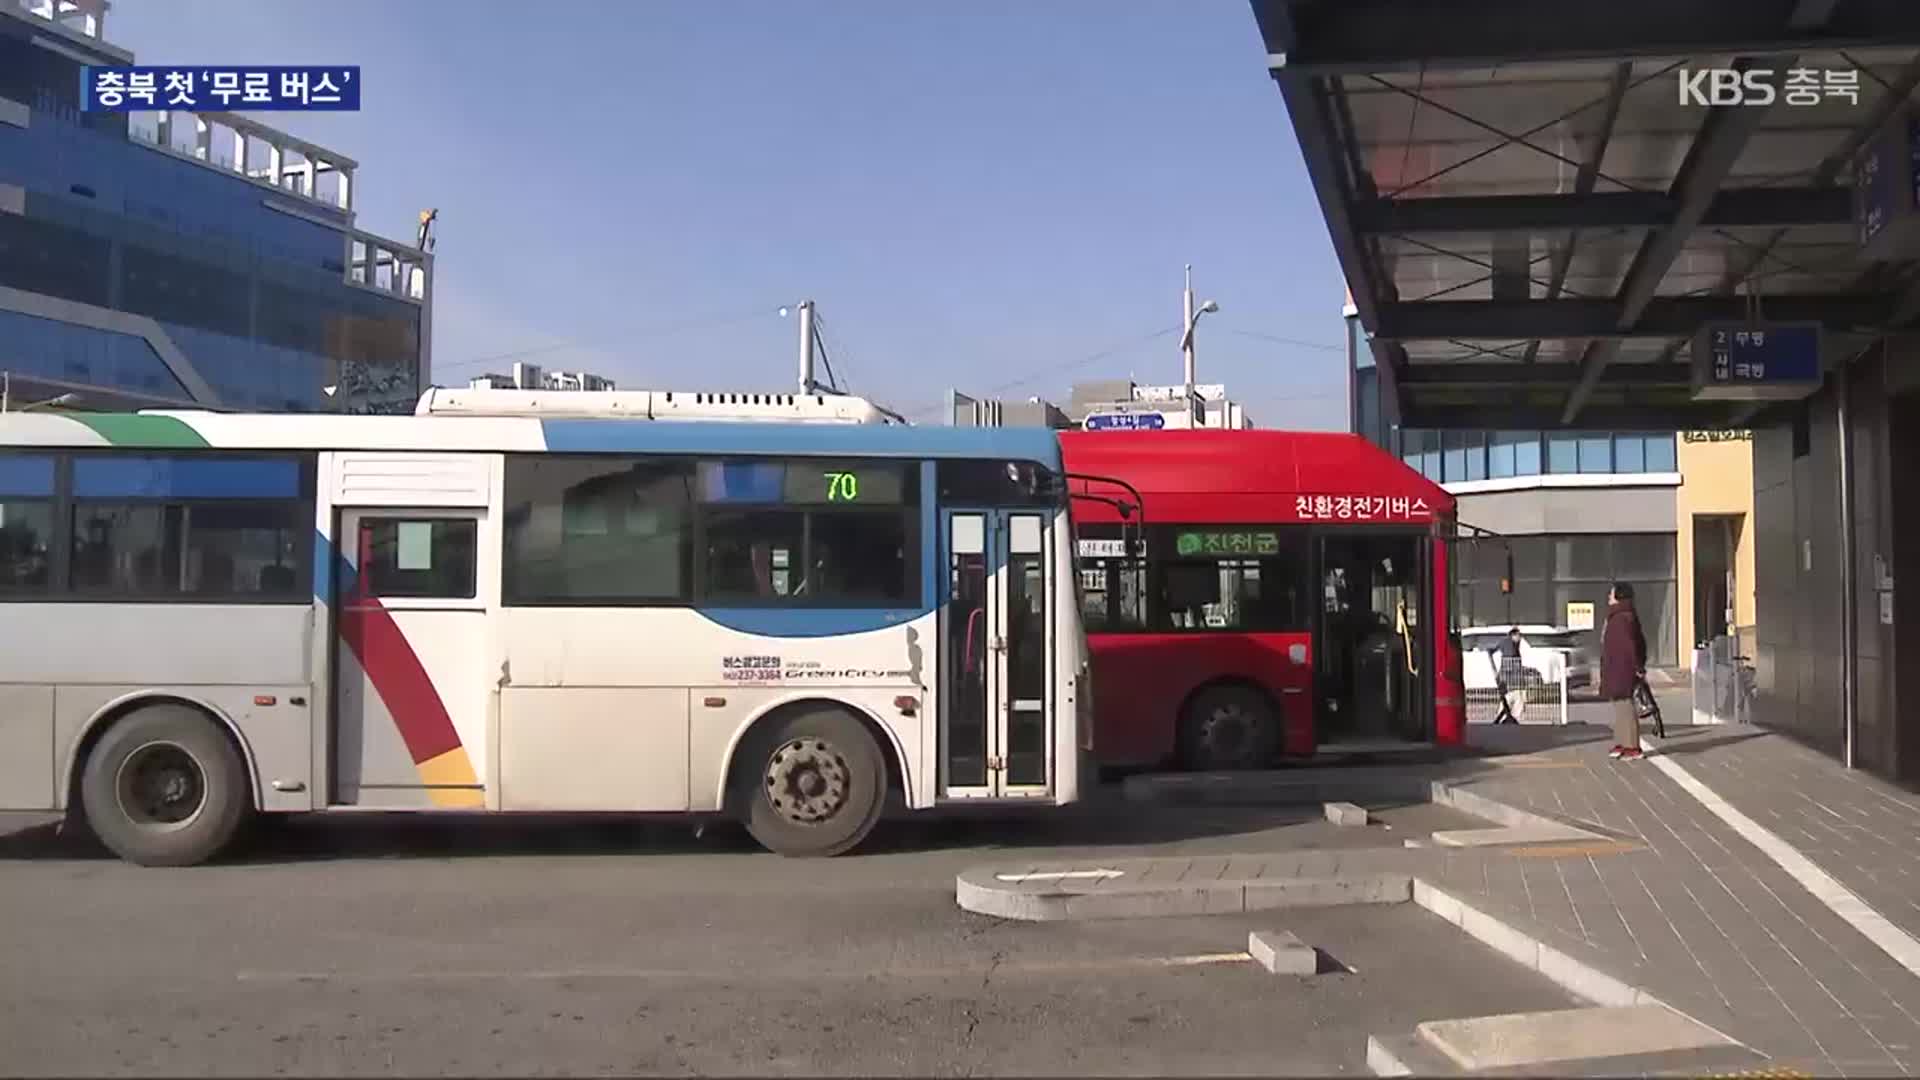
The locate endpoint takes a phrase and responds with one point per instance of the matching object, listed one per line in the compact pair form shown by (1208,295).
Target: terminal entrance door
(996,628)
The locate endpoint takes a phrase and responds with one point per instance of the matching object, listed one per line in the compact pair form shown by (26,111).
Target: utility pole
(1189,318)
(807,383)
(1186,338)
(6,391)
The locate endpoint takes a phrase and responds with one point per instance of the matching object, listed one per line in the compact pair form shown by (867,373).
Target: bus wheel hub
(1225,727)
(807,781)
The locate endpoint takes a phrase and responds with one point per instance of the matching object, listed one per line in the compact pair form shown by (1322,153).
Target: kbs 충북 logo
(1756,86)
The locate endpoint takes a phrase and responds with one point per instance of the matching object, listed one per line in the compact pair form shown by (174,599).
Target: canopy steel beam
(1661,317)
(1505,417)
(1345,37)
(1512,375)
(1583,182)
(1311,109)
(1608,210)
(1722,136)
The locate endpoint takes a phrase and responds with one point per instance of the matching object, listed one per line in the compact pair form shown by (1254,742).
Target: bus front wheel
(818,784)
(1228,727)
(164,787)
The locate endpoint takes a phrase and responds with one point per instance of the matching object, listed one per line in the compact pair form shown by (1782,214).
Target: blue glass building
(185,260)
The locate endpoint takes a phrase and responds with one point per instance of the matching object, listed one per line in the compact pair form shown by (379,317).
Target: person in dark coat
(1506,659)
(1623,663)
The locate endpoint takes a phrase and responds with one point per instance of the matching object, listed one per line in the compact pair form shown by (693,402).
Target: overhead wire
(713,321)
(1056,369)
(1258,336)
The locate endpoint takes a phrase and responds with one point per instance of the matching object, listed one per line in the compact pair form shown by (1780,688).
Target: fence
(1530,690)
(1723,679)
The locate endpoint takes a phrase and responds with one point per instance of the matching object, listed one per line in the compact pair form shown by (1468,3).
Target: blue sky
(978,195)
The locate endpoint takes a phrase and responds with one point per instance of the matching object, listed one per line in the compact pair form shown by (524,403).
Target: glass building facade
(144,275)
(1552,506)
(1452,457)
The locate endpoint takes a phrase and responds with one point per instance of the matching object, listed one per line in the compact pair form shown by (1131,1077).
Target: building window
(1526,453)
(1596,453)
(1630,453)
(1476,455)
(1453,456)
(1563,453)
(1661,455)
(1513,453)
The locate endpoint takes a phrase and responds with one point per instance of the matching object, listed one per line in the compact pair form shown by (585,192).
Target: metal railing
(1530,690)
(1723,676)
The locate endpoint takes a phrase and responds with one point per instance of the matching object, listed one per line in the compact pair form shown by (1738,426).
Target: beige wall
(1716,479)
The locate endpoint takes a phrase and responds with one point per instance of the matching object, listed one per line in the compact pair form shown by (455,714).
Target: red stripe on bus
(398,678)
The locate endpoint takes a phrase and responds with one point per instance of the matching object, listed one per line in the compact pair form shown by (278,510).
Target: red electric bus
(1256,594)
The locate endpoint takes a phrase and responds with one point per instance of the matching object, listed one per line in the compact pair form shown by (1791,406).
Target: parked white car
(1545,650)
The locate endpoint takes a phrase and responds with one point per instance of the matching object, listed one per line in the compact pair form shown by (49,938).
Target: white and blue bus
(801,625)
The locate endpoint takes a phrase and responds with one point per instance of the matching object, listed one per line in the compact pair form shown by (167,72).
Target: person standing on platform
(1623,663)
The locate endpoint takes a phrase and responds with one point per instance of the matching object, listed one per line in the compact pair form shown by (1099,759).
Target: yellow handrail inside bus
(1401,628)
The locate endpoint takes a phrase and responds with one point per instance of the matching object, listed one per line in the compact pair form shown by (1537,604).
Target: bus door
(996,630)
(1372,672)
(409,642)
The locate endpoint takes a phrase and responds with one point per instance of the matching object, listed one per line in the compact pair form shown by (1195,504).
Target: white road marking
(1061,875)
(563,974)
(1839,899)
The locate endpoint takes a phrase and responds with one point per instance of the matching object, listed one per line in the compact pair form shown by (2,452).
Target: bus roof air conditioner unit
(654,405)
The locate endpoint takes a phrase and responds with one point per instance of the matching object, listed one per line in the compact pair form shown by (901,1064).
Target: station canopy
(1535,218)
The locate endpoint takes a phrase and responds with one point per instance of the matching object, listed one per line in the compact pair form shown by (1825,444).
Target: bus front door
(409,634)
(996,627)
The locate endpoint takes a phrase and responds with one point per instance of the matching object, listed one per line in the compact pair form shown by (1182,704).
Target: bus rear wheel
(818,784)
(164,787)
(1226,728)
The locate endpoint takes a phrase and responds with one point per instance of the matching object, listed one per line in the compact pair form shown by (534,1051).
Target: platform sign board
(1886,191)
(1756,361)
(1126,421)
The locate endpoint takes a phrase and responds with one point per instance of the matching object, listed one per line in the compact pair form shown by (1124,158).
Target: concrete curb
(1404,1055)
(1569,974)
(1269,788)
(1266,788)
(1480,806)
(978,890)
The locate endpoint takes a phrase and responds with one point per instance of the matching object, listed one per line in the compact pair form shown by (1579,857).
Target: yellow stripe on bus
(451,781)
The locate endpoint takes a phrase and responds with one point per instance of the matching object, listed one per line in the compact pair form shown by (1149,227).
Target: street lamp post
(1190,318)
(6,398)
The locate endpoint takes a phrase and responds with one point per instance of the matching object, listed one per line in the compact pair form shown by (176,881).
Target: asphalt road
(580,947)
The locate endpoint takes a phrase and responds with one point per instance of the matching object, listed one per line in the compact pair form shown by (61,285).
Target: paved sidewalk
(1673,901)
(1699,916)
(1861,830)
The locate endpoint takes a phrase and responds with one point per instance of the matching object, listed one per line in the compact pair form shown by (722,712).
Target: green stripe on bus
(128,429)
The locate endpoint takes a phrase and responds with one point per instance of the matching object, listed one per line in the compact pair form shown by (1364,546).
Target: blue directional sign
(1886,190)
(1756,361)
(1141,421)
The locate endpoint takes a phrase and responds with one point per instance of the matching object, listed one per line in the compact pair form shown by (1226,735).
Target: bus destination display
(809,483)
